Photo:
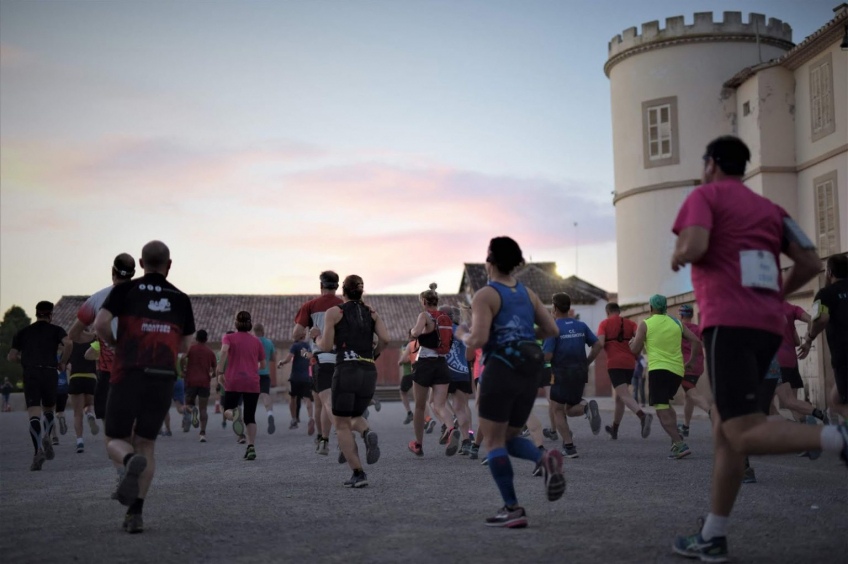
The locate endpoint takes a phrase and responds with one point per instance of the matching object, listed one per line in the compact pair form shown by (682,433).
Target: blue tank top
(457,365)
(514,321)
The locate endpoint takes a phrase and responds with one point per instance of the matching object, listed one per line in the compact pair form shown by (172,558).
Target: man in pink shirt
(693,397)
(733,239)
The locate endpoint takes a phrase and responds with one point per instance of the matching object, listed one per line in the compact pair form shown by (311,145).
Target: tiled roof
(216,313)
(542,278)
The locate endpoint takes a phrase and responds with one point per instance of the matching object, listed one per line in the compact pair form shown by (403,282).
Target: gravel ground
(625,502)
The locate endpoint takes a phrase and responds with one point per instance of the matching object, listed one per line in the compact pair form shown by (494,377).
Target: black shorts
(354,383)
(41,386)
(301,390)
(507,394)
(568,384)
(323,377)
(619,376)
(840,374)
(690,381)
(406,383)
(101,394)
(138,402)
(248,409)
(546,376)
(431,371)
(264,384)
(790,375)
(663,386)
(460,386)
(765,394)
(61,402)
(738,359)
(82,385)
(194,392)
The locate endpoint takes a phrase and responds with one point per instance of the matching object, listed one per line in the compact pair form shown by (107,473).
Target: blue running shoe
(693,546)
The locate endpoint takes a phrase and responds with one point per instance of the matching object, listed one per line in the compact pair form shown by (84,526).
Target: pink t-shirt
(786,355)
(686,348)
(737,282)
(243,358)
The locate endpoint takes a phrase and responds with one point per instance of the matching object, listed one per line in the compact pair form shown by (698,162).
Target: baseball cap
(659,303)
(686,310)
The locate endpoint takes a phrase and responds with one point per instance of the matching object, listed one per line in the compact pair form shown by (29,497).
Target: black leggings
(231,401)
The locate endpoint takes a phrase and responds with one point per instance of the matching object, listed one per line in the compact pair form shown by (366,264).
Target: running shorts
(138,403)
(354,384)
(431,371)
(324,379)
(61,402)
(179,391)
(406,383)
(264,384)
(619,376)
(194,392)
(507,394)
(690,381)
(568,385)
(82,385)
(790,375)
(101,394)
(765,394)
(663,386)
(301,390)
(738,359)
(249,400)
(460,386)
(41,386)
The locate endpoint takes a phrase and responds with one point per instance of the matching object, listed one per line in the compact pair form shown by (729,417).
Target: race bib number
(816,310)
(759,270)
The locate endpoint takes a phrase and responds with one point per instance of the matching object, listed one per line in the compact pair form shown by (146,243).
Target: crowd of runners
(134,352)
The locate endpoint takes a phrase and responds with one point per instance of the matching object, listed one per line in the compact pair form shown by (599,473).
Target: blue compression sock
(520,447)
(501,469)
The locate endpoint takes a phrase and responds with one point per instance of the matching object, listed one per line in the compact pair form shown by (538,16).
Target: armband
(815,311)
(792,233)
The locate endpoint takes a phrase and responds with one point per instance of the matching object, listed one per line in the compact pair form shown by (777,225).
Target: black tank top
(79,364)
(355,333)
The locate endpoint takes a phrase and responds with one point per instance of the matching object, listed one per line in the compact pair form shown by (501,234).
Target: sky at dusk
(267,141)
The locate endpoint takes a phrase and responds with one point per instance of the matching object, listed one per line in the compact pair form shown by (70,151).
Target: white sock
(714,526)
(79,440)
(831,439)
(270,413)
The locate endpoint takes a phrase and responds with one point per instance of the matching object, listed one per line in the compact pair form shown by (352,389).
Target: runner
(311,316)
(7,393)
(660,335)
(155,322)
(349,329)
(242,356)
(199,364)
(790,376)
(178,400)
(460,387)
(267,375)
(300,387)
(614,334)
(733,238)
(690,379)
(408,356)
(35,348)
(831,315)
(81,387)
(434,332)
(567,354)
(765,395)
(503,315)
(61,403)
(638,381)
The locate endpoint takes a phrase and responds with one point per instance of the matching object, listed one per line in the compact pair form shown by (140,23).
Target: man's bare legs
(623,399)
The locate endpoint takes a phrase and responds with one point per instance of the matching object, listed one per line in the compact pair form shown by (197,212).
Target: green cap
(658,302)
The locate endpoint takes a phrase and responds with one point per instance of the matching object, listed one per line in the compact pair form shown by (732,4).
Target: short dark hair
(123,266)
(730,154)
(243,321)
(562,302)
(44,309)
(329,280)
(504,254)
(612,307)
(202,336)
(838,266)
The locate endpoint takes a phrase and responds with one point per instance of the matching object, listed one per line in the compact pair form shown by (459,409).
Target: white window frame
(826,190)
(822,118)
(660,138)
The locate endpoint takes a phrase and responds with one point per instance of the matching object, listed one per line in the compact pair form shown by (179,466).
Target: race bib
(759,270)
(816,310)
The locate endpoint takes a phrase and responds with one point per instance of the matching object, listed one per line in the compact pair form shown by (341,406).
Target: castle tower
(667,104)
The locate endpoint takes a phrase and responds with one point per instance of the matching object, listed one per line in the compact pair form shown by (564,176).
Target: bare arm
(813,330)
(92,354)
(326,340)
(543,318)
(807,266)
(692,243)
(78,333)
(67,346)
(299,332)
(593,354)
(404,355)
(483,307)
(422,325)
(287,360)
(382,334)
(225,349)
(637,343)
(696,346)
(103,327)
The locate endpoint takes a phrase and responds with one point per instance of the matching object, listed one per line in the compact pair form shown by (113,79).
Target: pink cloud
(14,56)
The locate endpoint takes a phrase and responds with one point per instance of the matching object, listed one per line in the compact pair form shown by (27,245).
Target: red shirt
(243,358)
(737,282)
(311,314)
(86,314)
(618,351)
(786,355)
(698,368)
(200,361)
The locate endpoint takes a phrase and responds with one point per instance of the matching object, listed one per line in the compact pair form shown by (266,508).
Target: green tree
(14,320)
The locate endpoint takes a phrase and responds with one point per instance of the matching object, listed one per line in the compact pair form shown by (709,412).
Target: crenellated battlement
(704,27)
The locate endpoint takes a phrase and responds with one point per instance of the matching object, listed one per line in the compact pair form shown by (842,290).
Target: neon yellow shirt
(662,343)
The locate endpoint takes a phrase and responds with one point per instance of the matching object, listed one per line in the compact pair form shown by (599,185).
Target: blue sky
(267,141)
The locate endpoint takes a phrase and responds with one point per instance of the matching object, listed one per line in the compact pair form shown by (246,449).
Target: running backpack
(440,338)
